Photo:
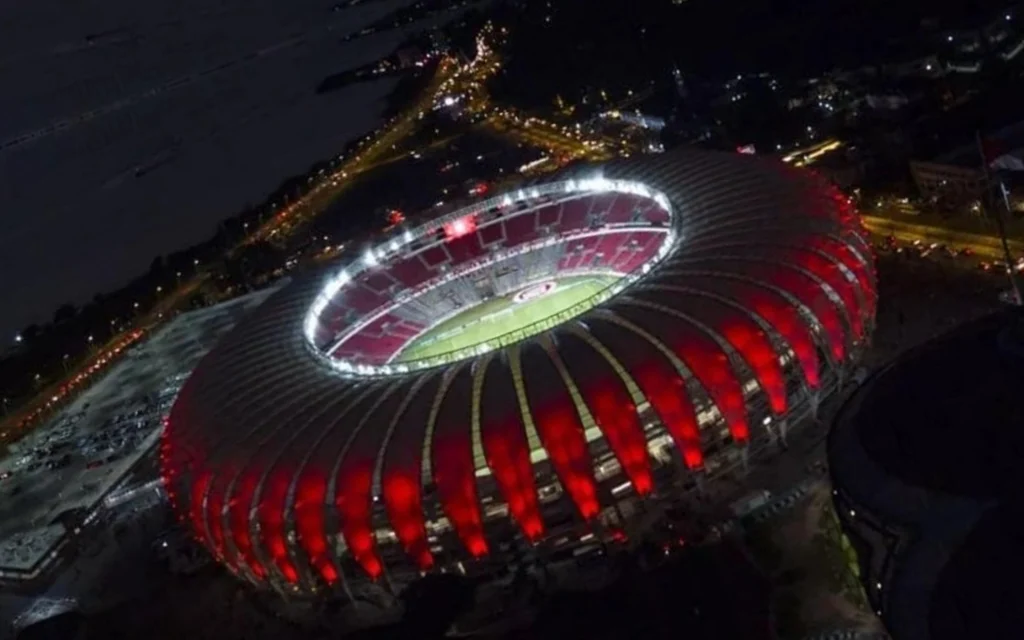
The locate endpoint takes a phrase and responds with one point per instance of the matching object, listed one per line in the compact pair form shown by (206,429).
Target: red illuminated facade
(306,459)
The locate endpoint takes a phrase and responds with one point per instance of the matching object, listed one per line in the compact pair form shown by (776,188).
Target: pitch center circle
(535,291)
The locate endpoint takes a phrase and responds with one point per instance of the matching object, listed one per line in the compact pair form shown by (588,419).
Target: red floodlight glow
(395,217)
(460,227)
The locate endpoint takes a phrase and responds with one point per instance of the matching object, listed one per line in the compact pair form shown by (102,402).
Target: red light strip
(508,457)
(404,506)
(667,393)
(238,517)
(852,261)
(832,275)
(554,416)
(310,524)
(710,365)
(402,470)
(615,413)
(562,435)
(592,370)
(215,521)
(809,293)
(657,374)
(786,320)
(451,457)
(196,501)
(353,501)
(455,479)
(753,345)
(271,517)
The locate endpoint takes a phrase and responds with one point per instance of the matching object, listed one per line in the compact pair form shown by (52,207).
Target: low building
(945,179)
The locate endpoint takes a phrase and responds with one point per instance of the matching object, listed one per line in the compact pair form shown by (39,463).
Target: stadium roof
(770,269)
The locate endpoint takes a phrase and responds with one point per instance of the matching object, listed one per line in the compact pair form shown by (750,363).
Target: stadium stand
(605,232)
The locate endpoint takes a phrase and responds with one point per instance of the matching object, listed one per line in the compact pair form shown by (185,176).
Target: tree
(157,267)
(30,333)
(433,602)
(64,313)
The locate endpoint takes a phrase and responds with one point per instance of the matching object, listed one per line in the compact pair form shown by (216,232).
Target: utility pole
(997,212)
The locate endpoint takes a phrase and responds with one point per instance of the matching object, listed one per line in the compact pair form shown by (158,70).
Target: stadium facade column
(626,523)
(389,585)
(332,526)
(343,582)
(813,399)
(278,586)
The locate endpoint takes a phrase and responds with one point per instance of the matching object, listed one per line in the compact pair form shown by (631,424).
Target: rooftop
(932,446)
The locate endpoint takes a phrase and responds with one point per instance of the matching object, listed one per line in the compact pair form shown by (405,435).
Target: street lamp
(64,361)
(17,339)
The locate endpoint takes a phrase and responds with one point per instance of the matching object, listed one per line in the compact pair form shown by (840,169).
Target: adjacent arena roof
(926,462)
(304,452)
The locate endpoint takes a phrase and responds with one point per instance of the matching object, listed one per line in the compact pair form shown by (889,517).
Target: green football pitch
(502,315)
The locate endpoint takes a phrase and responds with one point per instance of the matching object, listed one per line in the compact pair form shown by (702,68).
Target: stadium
(521,375)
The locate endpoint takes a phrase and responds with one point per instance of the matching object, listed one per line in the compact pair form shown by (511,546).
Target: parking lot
(61,527)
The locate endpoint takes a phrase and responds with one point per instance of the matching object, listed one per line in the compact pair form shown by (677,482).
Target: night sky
(211,102)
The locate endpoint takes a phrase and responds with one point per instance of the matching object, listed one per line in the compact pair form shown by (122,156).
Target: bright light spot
(460,227)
